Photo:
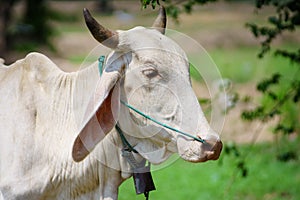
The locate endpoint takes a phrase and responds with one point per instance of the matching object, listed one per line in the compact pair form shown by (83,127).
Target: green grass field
(241,65)
(268,178)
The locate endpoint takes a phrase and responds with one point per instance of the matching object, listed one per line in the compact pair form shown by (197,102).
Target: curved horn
(103,35)
(161,20)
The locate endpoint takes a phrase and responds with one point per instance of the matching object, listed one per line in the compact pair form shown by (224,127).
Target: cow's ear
(102,111)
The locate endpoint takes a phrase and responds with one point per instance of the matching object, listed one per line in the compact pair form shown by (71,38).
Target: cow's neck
(152,142)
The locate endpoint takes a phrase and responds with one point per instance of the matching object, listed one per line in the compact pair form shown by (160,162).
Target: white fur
(43,110)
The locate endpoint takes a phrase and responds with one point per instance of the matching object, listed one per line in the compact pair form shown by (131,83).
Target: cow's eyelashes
(150,72)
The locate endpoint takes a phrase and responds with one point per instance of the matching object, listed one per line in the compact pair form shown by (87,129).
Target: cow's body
(50,121)
(37,97)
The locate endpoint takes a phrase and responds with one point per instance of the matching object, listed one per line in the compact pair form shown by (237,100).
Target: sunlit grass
(241,65)
(267,178)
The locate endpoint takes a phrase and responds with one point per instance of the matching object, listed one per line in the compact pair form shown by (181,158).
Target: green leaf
(153,4)
(264,85)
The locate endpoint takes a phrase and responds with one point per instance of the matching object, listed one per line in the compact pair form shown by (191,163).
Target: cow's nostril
(220,145)
(217,148)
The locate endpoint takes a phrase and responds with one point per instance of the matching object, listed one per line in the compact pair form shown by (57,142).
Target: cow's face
(157,82)
(153,76)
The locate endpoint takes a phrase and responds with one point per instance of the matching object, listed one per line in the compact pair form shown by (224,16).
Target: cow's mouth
(196,152)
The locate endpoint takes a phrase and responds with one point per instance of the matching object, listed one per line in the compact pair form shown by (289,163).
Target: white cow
(51,120)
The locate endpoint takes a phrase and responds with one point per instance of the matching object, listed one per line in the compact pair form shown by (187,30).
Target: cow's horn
(103,35)
(161,20)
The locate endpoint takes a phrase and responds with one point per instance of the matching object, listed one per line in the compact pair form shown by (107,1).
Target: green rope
(100,67)
(162,124)
(124,140)
(100,64)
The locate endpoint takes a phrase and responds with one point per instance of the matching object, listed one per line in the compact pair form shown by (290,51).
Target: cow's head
(150,72)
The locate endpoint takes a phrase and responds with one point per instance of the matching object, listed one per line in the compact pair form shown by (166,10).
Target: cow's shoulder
(40,66)
(34,66)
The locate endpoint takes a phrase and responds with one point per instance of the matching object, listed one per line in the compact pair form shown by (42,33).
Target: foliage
(36,19)
(28,29)
(281,91)
(31,28)
(175,7)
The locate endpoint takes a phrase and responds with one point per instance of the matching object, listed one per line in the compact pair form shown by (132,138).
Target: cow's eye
(150,72)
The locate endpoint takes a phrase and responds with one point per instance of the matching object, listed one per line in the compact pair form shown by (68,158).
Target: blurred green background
(255,163)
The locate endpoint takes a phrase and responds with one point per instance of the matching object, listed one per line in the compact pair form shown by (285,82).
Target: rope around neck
(100,67)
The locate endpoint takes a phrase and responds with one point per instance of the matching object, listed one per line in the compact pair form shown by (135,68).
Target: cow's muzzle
(215,151)
(199,152)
